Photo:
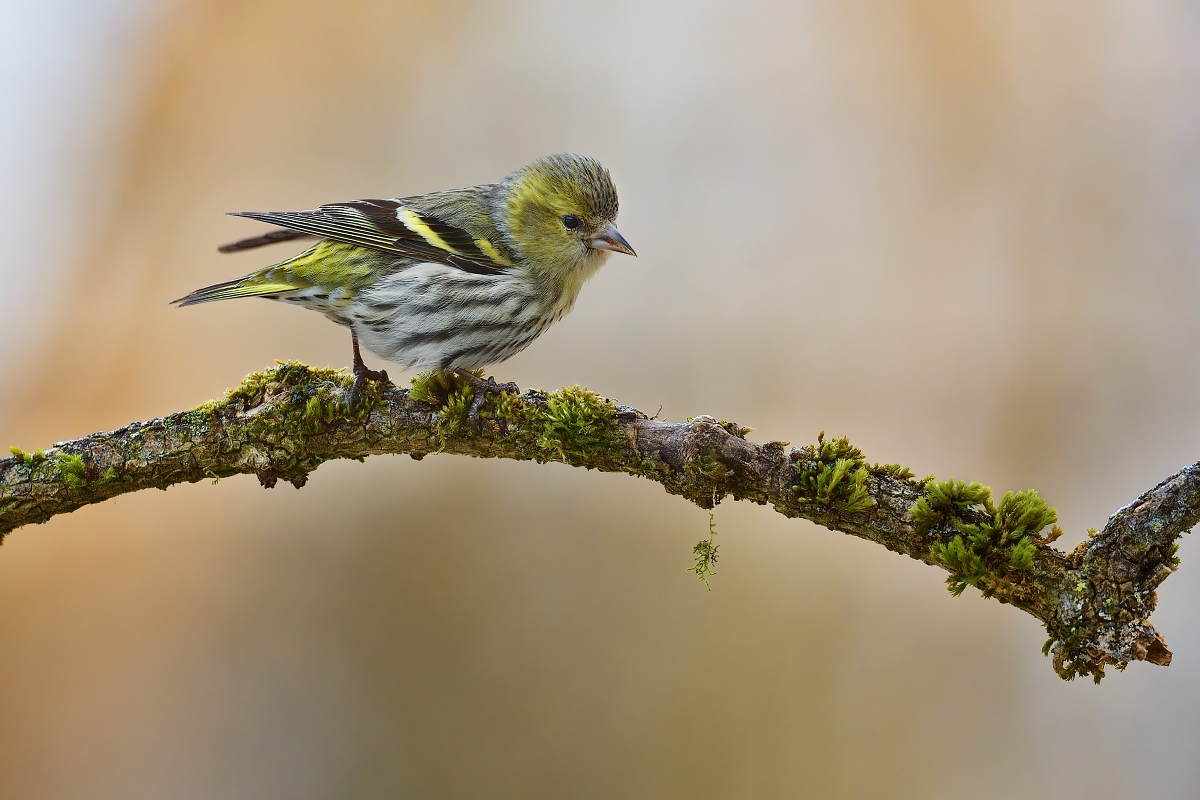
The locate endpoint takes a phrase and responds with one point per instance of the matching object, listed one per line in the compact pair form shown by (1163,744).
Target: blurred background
(961,233)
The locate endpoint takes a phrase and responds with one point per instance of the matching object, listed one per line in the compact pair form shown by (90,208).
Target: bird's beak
(609,238)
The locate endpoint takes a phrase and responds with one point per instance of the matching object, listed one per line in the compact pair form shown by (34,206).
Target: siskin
(451,281)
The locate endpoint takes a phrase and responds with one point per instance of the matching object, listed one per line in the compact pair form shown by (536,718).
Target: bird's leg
(483,388)
(361,373)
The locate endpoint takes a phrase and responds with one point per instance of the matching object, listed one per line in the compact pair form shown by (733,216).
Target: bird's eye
(571,221)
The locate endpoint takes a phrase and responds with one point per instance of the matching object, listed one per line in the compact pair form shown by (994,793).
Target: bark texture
(283,423)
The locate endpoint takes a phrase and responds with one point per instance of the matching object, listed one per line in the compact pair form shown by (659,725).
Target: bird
(452,281)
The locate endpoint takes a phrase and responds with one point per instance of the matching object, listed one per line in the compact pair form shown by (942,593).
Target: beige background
(962,233)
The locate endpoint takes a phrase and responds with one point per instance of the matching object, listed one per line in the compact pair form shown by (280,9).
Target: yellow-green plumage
(454,280)
(328,263)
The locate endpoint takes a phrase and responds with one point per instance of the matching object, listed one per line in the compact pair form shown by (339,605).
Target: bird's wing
(393,227)
(270,237)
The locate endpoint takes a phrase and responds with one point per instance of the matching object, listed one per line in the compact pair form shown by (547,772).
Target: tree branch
(285,422)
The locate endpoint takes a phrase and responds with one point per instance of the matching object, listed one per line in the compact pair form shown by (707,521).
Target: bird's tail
(256,285)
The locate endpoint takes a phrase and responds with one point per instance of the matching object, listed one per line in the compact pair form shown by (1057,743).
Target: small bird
(452,281)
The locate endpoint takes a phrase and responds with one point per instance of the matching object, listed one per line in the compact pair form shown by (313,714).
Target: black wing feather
(270,237)
(375,224)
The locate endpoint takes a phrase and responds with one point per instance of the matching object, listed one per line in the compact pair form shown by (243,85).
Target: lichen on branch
(283,423)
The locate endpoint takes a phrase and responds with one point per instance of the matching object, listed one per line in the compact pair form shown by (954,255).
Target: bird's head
(559,213)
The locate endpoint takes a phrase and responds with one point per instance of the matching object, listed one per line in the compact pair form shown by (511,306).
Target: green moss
(73,470)
(453,396)
(1021,555)
(436,388)
(306,400)
(510,409)
(833,473)
(897,471)
(705,552)
(1070,660)
(577,424)
(285,406)
(573,423)
(946,501)
(300,383)
(325,403)
(704,466)
(1025,512)
(313,410)
(252,390)
(454,411)
(209,407)
(980,544)
(370,398)
(78,474)
(29,459)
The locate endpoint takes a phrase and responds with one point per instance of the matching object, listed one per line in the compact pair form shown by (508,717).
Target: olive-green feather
(328,264)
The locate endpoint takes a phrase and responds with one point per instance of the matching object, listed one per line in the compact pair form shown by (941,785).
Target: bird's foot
(484,387)
(361,376)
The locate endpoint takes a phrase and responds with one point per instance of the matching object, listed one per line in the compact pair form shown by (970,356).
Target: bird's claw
(483,387)
(361,373)
(361,376)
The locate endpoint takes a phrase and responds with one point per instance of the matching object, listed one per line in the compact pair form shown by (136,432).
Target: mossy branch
(283,423)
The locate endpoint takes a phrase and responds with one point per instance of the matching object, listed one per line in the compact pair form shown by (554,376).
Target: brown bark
(283,423)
